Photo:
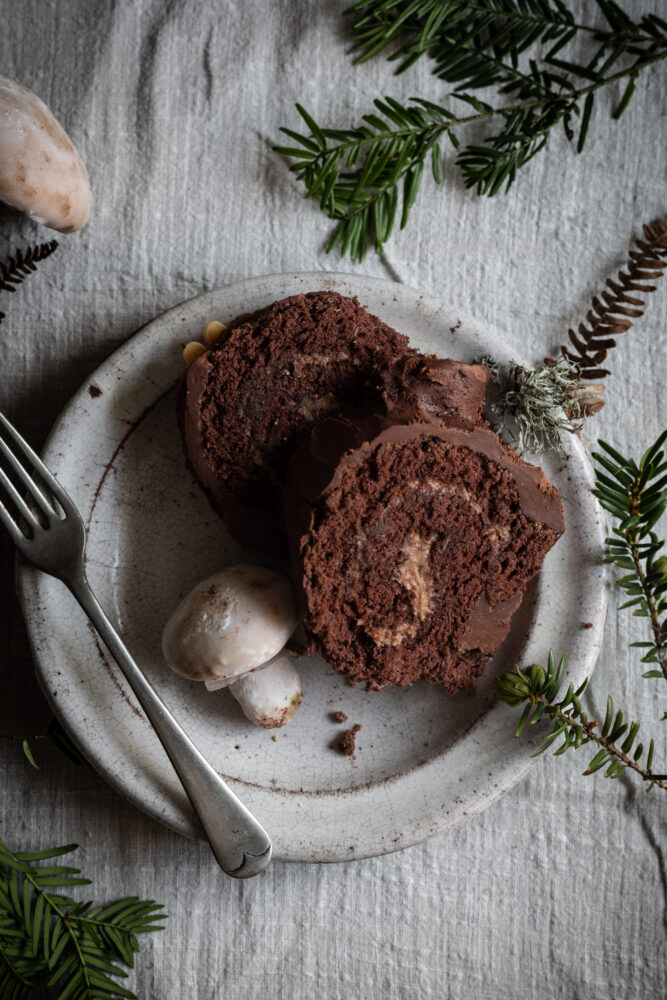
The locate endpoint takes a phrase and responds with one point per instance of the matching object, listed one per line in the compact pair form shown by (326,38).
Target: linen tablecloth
(559,889)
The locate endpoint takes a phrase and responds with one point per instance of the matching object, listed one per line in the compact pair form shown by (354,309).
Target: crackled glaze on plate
(424,762)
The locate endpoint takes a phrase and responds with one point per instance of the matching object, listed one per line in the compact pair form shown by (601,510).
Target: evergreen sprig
(49,939)
(635,494)
(365,198)
(477,43)
(359,175)
(538,689)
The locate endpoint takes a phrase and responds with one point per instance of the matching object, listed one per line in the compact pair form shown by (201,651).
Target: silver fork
(54,541)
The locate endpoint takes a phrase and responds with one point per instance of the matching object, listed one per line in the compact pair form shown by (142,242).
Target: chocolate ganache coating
(412,542)
(423,387)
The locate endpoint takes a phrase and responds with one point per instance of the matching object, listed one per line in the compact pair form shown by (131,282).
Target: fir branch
(477,43)
(537,406)
(468,42)
(365,200)
(620,303)
(537,690)
(15,269)
(635,494)
(358,175)
(49,939)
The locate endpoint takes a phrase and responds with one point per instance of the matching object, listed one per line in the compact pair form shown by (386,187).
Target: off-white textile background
(559,889)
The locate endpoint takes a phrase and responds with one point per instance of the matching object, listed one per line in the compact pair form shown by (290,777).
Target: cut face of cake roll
(412,544)
(270,377)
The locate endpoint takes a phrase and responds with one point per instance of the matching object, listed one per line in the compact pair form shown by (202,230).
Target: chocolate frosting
(488,626)
(255,527)
(423,388)
(344,440)
(420,395)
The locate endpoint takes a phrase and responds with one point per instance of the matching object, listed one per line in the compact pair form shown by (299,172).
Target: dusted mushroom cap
(230,623)
(41,172)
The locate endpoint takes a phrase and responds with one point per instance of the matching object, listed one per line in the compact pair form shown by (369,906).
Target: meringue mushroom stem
(231,631)
(271,694)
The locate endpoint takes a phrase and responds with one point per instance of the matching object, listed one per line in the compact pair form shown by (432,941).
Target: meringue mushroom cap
(41,172)
(230,623)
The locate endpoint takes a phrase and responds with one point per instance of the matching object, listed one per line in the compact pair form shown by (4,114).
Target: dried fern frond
(16,269)
(619,304)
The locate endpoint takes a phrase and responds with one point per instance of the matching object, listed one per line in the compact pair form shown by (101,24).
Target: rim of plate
(514,757)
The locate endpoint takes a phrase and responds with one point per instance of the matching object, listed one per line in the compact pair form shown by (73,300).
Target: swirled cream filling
(414,573)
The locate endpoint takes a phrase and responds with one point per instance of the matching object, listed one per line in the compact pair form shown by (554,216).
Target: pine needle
(49,939)
(620,303)
(368,176)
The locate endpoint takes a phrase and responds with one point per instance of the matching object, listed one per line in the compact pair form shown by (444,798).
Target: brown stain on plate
(121,444)
(116,683)
(362,786)
(98,490)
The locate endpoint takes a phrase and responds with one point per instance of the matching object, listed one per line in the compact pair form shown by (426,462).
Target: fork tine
(12,527)
(27,480)
(42,502)
(23,508)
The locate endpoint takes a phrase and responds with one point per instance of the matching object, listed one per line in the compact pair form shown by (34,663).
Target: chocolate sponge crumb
(346,742)
(252,396)
(339,717)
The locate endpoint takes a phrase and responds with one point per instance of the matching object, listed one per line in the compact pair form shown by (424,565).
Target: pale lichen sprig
(537,406)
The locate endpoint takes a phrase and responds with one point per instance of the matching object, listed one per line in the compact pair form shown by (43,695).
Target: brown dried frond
(15,269)
(619,305)
(586,400)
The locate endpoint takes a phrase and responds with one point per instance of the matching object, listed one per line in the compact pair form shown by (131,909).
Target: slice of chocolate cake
(254,393)
(413,542)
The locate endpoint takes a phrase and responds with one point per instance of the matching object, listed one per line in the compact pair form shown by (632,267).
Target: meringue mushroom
(230,631)
(41,172)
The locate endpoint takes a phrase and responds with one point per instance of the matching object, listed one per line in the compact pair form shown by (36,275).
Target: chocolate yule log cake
(414,530)
(272,375)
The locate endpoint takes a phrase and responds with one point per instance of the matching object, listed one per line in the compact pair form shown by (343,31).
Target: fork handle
(241,846)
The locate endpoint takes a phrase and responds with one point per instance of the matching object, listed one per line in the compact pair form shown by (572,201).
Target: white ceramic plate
(424,762)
